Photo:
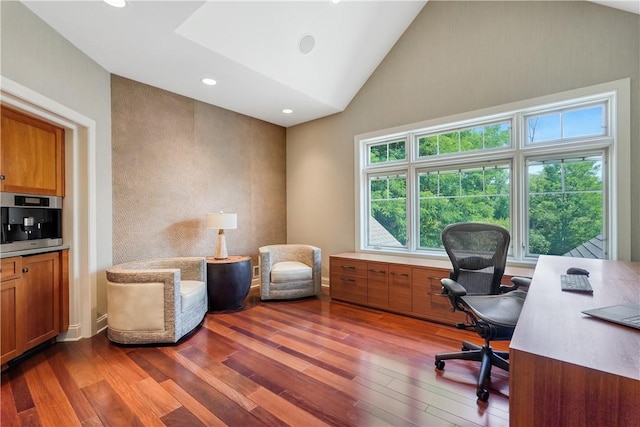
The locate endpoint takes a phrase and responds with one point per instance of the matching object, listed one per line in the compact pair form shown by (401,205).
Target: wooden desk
(566,368)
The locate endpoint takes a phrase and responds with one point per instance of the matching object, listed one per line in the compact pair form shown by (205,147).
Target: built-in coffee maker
(30,221)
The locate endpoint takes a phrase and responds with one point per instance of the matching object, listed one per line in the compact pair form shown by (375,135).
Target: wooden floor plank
(217,403)
(192,405)
(49,398)
(20,389)
(8,410)
(109,406)
(63,363)
(308,362)
(181,417)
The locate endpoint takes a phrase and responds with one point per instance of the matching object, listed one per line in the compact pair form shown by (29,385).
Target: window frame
(613,145)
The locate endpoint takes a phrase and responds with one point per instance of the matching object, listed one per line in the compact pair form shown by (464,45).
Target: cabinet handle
(347,267)
(1,177)
(399,274)
(25,270)
(344,279)
(378,271)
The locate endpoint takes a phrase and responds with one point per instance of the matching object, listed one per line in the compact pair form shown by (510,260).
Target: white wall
(39,59)
(454,58)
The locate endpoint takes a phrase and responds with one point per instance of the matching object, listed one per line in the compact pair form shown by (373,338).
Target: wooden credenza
(404,285)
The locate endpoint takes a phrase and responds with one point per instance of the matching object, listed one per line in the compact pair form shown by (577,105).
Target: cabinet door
(428,300)
(378,284)
(348,280)
(41,280)
(11,320)
(400,288)
(32,158)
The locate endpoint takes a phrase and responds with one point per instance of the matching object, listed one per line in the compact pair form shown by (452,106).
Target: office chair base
(485,355)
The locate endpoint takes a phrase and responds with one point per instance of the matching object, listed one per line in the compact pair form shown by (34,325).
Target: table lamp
(221,221)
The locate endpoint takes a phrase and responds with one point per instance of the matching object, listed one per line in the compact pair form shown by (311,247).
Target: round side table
(228,282)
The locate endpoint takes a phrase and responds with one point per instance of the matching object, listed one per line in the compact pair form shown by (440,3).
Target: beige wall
(458,57)
(175,160)
(36,57)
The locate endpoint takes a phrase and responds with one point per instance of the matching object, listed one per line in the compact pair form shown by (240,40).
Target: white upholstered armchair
(155,301)
(290,271)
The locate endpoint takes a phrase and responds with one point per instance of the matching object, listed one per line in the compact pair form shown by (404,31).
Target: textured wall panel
(175,160)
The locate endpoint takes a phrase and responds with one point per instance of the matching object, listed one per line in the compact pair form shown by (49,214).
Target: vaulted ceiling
(311,57)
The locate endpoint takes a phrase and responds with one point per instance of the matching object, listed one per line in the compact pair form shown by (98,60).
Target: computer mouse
(576,270)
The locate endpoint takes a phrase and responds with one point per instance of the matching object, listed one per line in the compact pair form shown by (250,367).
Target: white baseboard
(101,323)
(72,334)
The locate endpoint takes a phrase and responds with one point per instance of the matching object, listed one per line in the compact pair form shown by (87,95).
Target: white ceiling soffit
(254,50)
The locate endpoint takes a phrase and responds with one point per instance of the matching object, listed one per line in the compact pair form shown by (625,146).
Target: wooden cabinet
(32,308)
(404,285)
(400,294)
(32,155)
(428,300)
(11,309)
(378,284)
(348,280)
(41,282)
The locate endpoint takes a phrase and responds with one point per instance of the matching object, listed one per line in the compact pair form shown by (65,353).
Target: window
(466,194)
(565,205)
(539,169)
(387,211)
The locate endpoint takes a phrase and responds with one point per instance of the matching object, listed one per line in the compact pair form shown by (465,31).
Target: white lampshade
(222,221)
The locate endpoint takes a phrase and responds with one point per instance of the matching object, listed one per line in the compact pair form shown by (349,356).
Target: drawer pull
(25,270)
(348,267)
(344,279)
(399,274)
(378,271)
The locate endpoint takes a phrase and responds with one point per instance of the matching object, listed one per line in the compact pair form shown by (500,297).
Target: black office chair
(478,253)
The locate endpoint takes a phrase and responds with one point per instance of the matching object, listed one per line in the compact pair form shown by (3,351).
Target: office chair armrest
(521,282)
(453,288)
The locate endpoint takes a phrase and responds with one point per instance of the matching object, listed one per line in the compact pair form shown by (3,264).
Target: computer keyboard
(634,320)
(575,283)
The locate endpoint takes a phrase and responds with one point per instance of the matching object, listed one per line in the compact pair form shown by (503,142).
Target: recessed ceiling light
(287,111)
(209,82)
(116,3)
(306,43)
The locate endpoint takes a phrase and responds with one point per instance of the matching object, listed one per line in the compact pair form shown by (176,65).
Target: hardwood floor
(301,363)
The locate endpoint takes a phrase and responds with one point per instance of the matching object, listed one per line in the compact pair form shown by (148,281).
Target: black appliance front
(30,221)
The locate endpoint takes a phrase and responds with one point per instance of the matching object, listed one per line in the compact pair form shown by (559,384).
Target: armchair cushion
(192,292)
(288,271)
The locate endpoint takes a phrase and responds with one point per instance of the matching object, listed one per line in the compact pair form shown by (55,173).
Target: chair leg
(487,358)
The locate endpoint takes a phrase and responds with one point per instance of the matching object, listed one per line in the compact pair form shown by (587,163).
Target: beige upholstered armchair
(155,301)
(290,271)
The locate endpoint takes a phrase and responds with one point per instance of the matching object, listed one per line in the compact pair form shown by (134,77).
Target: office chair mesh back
(478,254)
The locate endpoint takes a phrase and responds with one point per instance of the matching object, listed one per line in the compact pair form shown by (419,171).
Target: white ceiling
(252,49)
(249,48)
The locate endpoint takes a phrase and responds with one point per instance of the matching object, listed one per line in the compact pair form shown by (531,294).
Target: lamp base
(221,247)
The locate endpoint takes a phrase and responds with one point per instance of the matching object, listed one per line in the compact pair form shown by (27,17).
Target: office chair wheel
(483,394)
(440,364)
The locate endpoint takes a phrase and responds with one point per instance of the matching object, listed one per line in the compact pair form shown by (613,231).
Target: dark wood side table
(228,282)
